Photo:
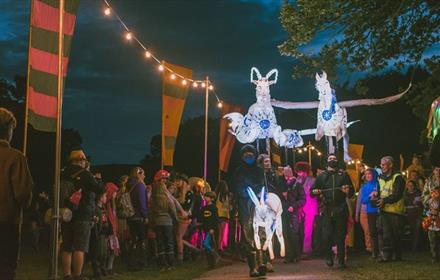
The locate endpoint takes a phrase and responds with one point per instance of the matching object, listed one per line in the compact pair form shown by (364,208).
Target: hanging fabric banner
(227,140)
(43,60)
(173,102)
(275,153)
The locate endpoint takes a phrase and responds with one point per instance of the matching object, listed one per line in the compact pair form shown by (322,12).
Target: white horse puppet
(260,121)
(268,210)
(332,115)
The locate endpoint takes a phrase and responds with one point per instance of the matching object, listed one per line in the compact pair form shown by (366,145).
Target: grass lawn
(35,267)
(414,266)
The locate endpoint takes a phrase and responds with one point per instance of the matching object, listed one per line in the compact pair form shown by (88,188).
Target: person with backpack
(139,220)
(113,241)
(123,233)
(81,200)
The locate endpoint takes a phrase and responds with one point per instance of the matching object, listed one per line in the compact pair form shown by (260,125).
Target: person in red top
(16,186)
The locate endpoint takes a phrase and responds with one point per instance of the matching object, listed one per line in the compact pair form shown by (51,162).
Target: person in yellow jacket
(392,211)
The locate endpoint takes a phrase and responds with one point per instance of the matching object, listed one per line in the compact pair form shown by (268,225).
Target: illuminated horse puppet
(268,210)
(260,121)
(433,129)
(332,115)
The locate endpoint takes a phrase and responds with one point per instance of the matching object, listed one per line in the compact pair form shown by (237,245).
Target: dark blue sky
(113,94)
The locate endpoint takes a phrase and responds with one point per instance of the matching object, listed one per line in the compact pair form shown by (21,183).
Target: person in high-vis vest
(392,211)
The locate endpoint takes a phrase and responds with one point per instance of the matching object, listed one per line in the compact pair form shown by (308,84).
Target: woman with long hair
(184,196)
(224,208)
(163,212)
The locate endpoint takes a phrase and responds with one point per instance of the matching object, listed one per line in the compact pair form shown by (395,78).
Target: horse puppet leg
(345,144)
(279,233)
(268,243)
(256,236)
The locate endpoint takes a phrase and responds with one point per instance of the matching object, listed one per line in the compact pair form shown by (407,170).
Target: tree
(362,35)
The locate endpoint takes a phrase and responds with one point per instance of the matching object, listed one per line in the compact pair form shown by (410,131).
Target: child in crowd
(224,207)
(210,223)
(99,237)
(431,223)
(113,241)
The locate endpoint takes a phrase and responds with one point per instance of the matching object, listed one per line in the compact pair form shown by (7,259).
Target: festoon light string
(129,35)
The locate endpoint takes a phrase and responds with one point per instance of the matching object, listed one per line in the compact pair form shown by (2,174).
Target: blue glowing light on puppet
(264,124)
(327,114)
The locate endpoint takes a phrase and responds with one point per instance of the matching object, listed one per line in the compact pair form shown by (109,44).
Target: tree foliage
(360,35)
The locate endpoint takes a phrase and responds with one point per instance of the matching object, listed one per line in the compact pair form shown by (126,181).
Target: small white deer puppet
(260,121)
(268,210)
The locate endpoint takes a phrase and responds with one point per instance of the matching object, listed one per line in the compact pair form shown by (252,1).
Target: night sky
(113,94)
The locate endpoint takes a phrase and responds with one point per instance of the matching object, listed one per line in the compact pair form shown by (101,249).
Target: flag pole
(56,205)
(205,161)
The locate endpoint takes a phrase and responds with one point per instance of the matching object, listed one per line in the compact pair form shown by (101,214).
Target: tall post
(56,192)
(310,154)
(205,162)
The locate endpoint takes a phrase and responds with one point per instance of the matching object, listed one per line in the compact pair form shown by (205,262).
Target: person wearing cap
(16,186)
(248,174)
(334,186)
(76,234)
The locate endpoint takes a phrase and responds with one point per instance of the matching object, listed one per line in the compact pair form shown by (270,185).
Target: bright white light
(203,85)
(128,36)
(220,104)
(107,11)
(319,153)
(211,87)
(195,85)
(173,76)
(147,54)
(160,68)
(184,82)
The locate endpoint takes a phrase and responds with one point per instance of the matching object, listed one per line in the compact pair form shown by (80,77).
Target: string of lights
(130,36)
(307,148)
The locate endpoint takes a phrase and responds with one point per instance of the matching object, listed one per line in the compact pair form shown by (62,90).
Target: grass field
(35,267)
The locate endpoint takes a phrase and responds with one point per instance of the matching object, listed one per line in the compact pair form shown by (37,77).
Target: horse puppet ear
(254,69)
(324,75)
(263,196)
(271,72)
(252,195)
(317,77)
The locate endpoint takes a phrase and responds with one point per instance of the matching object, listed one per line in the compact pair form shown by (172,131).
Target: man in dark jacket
(273,182)
(15,194)
(248,174)
(76,234)
(334,187)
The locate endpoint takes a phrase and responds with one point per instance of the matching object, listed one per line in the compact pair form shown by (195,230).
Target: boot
(329,260)
(252,263)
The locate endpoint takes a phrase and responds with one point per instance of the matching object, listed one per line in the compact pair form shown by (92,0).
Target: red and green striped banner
(43,59)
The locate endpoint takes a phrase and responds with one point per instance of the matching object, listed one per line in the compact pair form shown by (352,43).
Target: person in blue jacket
(369,192)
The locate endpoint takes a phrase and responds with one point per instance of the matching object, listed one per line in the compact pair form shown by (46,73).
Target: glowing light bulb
(312,148)
(203,85)
(147,54)
(211,87)
(195,85)
(107,11)
(358,162)
(160,68)
(305,149)
(220,104)
(128,36)
(319,153)
(184,82)
(173,76)
(300,151)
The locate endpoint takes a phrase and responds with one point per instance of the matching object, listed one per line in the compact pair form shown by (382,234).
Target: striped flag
(43,59)
(173,102)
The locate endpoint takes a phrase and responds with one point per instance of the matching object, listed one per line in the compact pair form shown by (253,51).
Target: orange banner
(227,140)
(173,102)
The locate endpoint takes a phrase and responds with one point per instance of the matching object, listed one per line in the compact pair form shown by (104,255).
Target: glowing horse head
(263,83)
(322,85)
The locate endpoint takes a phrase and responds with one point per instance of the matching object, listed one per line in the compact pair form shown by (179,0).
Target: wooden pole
(205,161)
(56,205)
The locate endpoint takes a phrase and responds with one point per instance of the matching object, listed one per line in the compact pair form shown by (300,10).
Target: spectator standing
(16,186)
(431,223)
(113,241)
(210,223)
(414,210)
(224,207)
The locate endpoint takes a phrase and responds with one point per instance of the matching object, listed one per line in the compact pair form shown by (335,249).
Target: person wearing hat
(16,186)
(334,186)
(76,234)
(248,174)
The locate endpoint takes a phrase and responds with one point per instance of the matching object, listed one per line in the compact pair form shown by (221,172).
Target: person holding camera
(334,186)
(392,210)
